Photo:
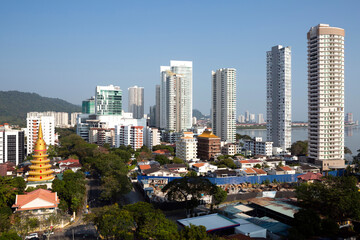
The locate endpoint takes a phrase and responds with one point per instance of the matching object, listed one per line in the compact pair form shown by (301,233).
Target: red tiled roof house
(40,202)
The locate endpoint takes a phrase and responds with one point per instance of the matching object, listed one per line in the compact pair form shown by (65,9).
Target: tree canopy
(71,190)
(134,221)
(337,198)
(190,190)
(299,148)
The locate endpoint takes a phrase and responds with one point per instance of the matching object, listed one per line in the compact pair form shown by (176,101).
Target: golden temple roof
(208,134)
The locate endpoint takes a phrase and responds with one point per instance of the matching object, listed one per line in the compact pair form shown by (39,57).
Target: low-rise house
(281,170)
(289,158)
(253,172)
(178,168)
(144,162)
(72,164)
(40,203)
(308,168)
(310,177)
(260,157)
(143,167)
(250,163)
(162,152)
(248,172)
(160,172)
(7,169)
(221,173)
(203,168)
(23,171)
(273,163)
(259,172)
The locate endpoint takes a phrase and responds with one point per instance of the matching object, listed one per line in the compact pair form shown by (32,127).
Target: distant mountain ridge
(14,105)
(198,114)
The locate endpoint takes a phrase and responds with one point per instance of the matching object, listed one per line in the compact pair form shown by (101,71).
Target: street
(82,230)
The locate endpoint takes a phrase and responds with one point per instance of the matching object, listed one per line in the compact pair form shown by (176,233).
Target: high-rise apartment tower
(224,104)
(326,96)
(176,96)
(136,101)
(278,99)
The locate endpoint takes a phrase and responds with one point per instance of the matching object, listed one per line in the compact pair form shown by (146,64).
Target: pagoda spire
(40,167)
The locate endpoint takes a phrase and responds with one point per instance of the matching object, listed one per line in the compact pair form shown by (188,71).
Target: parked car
(32,236)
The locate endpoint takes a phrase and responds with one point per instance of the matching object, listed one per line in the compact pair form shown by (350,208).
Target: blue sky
(64,49)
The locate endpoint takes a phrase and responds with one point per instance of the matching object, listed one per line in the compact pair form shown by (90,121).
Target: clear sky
(64,49)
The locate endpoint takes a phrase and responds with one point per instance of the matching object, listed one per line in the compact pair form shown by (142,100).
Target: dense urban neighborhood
(133,157)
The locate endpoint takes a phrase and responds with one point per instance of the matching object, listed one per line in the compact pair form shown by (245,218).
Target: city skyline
(50,47)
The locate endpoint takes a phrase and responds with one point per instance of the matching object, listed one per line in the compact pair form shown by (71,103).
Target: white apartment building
(152,136)
(108,100)
(61,118)
(258,147)
(73,118)
(229,149)
(32,127)
(129,135)
(176,96)
(136,101)
(100,136)
(224,104)
(326,96)
(157,106)
(104,124)
(260,119)
(11,145)
(241,118)
(186,147)
(252,118)
(278,100)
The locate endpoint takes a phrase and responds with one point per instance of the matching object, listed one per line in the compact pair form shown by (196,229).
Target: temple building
(40,172)
(208,145)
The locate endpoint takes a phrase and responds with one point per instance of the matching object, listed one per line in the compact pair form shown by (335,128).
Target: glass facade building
(108,100)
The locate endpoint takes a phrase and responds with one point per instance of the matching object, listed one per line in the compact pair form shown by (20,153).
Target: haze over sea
(352,135)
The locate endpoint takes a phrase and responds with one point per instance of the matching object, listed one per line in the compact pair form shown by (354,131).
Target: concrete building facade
(278,100)
(186,147)
(176,96)
(32,127)
(224,104)
(209,145)
(11,145)
(136,101)
(326,96)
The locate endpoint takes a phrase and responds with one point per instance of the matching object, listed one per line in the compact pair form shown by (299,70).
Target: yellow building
(40,168)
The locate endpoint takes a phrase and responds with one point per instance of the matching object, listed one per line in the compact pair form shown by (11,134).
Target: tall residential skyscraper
(260,119)
(108,100)
(278,101)
(157,106)
(136,101)
(176,96)
(326,95)
(224,104)
(247,116)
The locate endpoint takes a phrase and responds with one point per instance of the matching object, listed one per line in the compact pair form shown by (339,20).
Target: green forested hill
(14,105)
